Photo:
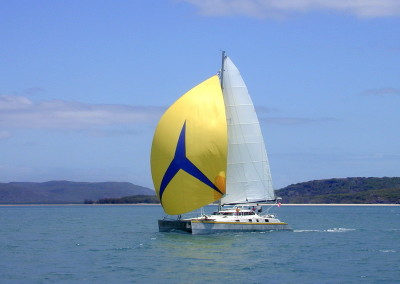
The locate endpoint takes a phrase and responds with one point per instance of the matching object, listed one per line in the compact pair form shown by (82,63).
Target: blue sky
(83,83)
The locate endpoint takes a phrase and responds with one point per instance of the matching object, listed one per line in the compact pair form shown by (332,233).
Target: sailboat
(208,147)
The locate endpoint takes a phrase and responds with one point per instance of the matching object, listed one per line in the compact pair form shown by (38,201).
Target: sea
(121,244)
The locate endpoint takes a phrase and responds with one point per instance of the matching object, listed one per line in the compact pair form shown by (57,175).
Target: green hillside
(134,199)
(357,190)
(53,192)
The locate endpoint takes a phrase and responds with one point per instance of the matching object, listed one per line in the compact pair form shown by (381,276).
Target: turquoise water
(121,244)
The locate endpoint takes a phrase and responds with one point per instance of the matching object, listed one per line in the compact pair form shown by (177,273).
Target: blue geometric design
(181,162)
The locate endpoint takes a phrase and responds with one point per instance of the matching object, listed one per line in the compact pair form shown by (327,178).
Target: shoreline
(153,204)
(80,204)
(338,204)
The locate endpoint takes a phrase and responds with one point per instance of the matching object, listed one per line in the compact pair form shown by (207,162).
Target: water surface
(121,244)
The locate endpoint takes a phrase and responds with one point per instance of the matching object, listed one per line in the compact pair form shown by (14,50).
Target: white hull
(208,227)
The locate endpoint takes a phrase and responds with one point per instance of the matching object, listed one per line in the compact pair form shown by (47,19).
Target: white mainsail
(248,173)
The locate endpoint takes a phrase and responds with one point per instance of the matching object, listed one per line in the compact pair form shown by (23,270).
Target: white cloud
(4,134)
(281,8)
(380,92)
(20,112)
(264,114)
(296,120)
(14,102)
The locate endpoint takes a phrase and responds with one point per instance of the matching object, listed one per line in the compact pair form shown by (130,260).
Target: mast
(221,77)
(222,70)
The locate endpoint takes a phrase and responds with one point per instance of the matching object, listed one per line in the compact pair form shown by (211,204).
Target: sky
(84,83)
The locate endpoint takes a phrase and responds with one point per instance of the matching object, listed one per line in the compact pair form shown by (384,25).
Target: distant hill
(357,190)
(53,192)
(134,199)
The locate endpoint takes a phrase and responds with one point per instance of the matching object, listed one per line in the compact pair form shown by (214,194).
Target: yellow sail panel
(189,150)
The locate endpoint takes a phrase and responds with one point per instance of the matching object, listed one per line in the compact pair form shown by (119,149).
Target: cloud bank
(21,112)
(282,8)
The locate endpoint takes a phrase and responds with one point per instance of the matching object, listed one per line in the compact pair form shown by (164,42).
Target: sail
(248,173)
(189,150)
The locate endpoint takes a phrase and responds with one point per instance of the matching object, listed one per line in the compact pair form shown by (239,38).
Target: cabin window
(258,220)
(250,220)
(248,213)
(266,220)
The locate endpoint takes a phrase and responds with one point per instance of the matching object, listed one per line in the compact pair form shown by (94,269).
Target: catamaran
(208,147)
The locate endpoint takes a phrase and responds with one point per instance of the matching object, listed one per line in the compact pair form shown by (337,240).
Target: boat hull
(210,227)
(199,227)
(174,226)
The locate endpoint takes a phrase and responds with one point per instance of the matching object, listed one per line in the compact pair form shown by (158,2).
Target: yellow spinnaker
(189,150)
